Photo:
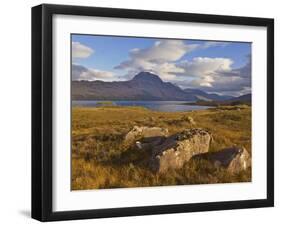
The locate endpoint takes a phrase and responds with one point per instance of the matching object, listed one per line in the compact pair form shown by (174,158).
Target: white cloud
(80,72)
(204,70)
(216,75)
(93,74)
(161,57)
(158,58)
(81,51)
(163,51)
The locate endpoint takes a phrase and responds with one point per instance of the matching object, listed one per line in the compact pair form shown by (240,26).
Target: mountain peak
(146,76)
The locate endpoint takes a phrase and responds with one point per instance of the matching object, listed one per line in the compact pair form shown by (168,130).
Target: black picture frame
(42,111)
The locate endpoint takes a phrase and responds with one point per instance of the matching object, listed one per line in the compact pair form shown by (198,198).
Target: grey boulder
(145,137)
(233,159)
(179,149)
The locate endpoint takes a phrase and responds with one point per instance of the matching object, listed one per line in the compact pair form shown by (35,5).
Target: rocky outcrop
(191,144)
(233,159)
(179,148)
(144,137)
(189,120)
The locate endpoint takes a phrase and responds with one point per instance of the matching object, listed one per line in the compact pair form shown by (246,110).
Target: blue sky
(220,67)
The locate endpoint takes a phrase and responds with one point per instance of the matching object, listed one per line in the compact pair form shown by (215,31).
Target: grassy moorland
(100,159)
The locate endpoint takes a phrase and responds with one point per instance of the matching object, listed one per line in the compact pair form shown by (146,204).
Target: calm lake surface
(166,106)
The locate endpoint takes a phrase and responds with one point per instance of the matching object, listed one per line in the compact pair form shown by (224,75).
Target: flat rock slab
(233,159)
(179,148)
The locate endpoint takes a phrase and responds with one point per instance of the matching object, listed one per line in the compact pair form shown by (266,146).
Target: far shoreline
(154,105)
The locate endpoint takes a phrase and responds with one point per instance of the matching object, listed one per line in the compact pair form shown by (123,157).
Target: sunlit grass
(100,159)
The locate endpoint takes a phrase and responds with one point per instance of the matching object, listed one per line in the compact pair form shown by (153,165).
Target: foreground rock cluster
(172,152)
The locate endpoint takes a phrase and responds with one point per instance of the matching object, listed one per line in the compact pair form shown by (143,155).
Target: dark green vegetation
(100,159)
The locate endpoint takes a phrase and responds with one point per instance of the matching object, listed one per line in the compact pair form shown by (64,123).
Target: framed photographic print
(145,112)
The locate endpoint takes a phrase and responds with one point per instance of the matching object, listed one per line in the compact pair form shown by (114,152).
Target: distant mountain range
(201,95)
(144,86)
(246,97)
